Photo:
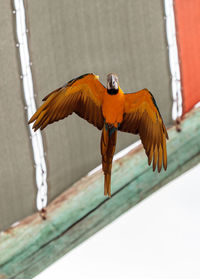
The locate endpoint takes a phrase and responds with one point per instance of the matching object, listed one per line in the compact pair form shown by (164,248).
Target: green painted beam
(31,246)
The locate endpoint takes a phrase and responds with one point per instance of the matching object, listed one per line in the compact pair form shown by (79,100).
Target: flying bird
(110,110)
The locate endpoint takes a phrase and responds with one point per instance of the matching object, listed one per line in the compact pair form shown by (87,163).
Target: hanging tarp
(72,38)
(66,39)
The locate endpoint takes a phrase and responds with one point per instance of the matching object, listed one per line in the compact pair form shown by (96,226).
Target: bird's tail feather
(108,143)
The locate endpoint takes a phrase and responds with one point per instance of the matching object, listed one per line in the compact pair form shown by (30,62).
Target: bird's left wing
(142,117)
(82,95)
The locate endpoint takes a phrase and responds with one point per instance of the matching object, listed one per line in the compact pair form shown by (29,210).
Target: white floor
(157,239)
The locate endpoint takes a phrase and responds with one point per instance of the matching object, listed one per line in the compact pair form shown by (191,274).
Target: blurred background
(149,44)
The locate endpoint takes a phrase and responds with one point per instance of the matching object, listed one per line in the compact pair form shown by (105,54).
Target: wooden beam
(31,246)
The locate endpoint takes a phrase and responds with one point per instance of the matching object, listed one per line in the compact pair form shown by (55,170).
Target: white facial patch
(115,84)
(112,82)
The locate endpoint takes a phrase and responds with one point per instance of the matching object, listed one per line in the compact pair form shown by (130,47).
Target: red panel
(187,14)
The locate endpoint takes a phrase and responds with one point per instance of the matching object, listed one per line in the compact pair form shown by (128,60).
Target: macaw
(110,110)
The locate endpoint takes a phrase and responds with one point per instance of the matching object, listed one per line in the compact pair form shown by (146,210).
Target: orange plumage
(110,110)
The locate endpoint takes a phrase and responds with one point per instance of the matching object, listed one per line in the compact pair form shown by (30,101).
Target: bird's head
(112,81)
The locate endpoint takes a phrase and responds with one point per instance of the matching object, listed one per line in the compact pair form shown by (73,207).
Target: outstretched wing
(82,95)
(142,117)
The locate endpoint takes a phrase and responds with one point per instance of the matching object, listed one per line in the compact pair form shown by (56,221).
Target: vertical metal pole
(30,106)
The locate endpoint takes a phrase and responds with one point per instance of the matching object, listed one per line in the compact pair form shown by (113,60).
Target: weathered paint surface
(187,15)
(82,210)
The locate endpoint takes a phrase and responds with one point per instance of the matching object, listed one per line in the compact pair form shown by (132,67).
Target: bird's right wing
(83,95)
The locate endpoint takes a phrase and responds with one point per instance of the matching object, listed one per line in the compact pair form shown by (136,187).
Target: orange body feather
(113,108)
